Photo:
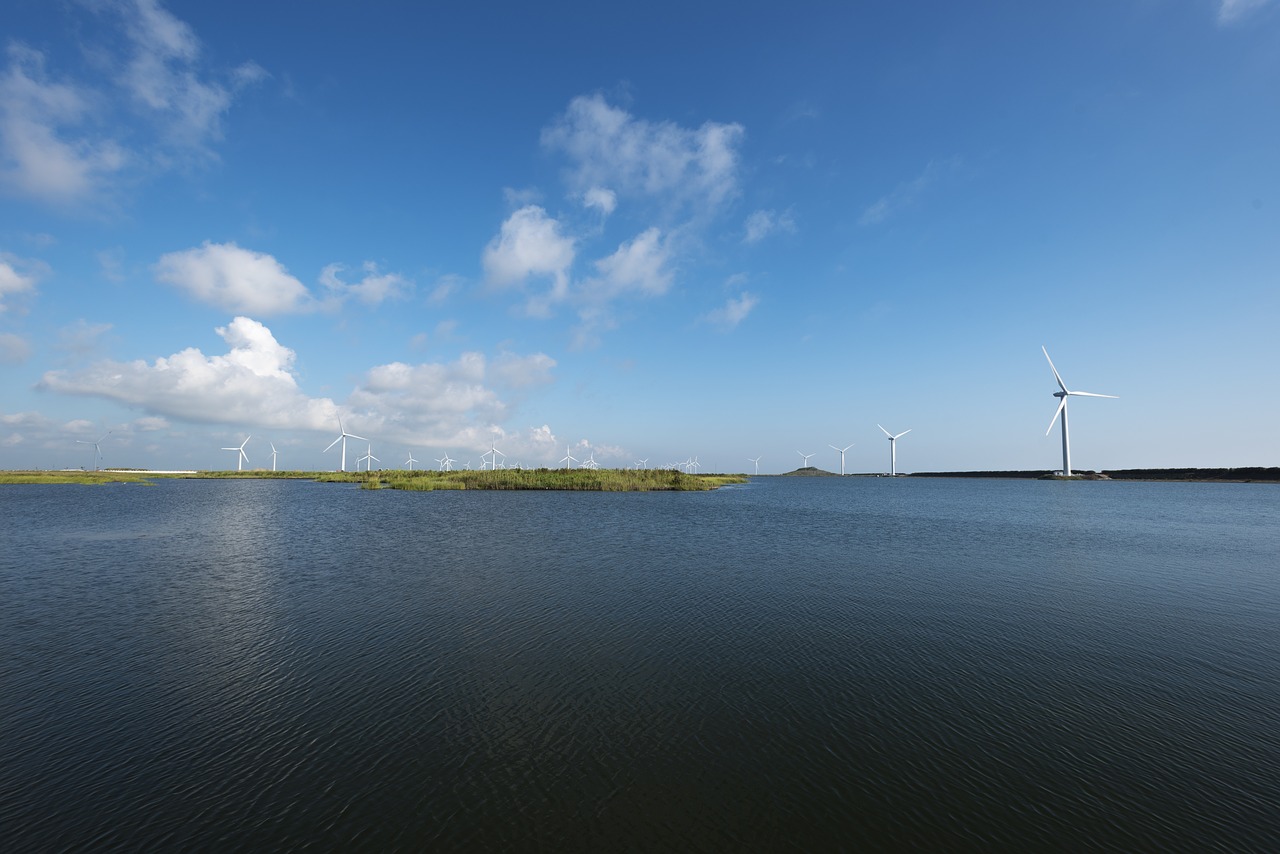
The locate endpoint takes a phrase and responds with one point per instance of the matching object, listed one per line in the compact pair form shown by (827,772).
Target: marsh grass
(85,477)
(578,480)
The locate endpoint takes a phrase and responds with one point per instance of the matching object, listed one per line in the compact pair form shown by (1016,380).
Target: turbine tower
(893,449)
(273,455)
(97,448)
(756,461)
(241,457)
(806,458)
(842,450)
(342,466)
(1062,410)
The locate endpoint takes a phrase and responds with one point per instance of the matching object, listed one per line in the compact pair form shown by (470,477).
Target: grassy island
(582,480)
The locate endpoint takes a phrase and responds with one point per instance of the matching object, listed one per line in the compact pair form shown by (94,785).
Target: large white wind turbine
(569,458)
(273,455)
(756,461)
(1062,410)
(806,458)
(241,457)
(97,448)
(893,449)
(342,466)
(842,450)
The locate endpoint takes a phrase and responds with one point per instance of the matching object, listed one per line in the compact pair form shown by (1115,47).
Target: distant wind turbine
(569,458)
(842,450)
(409,462)
(97,448)
(493,453)
(273,455)
(806,458)
(893,449)
(1062,410)
(446,464)
(241,457)
(756,461)
(342,466)
(368,459)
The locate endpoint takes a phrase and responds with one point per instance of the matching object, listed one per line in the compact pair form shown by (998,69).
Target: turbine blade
(353,436)
(1090,394)
(1061,405)
(334,442)
(903,433)
(886,432)
(1056,376)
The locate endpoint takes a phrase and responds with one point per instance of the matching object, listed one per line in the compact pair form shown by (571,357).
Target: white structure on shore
(893,449)
(1062,410)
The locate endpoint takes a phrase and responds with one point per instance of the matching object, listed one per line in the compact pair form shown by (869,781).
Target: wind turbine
(409,462)
(806,458)
(591,461)
(446,464)
(368,459)
(756,461)
(1062,410)
(569,458)
(893,449)
(342,466)
(273,455)
(242,457)
(842,450)
(97,448)
(493,453)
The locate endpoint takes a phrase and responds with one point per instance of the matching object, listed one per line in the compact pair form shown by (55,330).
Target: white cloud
(18,277)
(530,244)
(234,279)
(251,385)
(639,266)
(603,200)
(608,147)
(254,385)
(762,223)
(163,75)
(905,194)
(150,424)
(60,137)
(373,289)
(734,311)
(14,349)
(1231,11)
(41,156)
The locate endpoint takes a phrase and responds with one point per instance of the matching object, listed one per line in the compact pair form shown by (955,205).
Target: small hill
(809,471)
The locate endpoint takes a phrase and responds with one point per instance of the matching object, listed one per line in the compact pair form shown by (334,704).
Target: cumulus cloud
(251,385)
(254,385)
(734,311)
(373,289)
(14,349)
(1230,11)
(608,147)
(638,266)
(762,223)
(530,245)
(905,194)
(234,279)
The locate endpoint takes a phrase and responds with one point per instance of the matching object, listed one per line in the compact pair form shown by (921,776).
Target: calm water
(805,663)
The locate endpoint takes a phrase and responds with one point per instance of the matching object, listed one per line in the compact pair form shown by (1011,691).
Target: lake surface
(792,663)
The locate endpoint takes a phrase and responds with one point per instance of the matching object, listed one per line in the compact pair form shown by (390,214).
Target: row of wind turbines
(495,459)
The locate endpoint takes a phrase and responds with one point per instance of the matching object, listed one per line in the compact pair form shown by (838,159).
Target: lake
(792,663)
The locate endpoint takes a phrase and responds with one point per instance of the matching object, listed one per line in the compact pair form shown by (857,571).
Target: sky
(721,231)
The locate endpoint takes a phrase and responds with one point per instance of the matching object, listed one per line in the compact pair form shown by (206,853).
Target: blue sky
(656,233)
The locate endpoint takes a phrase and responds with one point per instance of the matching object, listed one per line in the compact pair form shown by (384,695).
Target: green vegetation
(592,480)
(89,477)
